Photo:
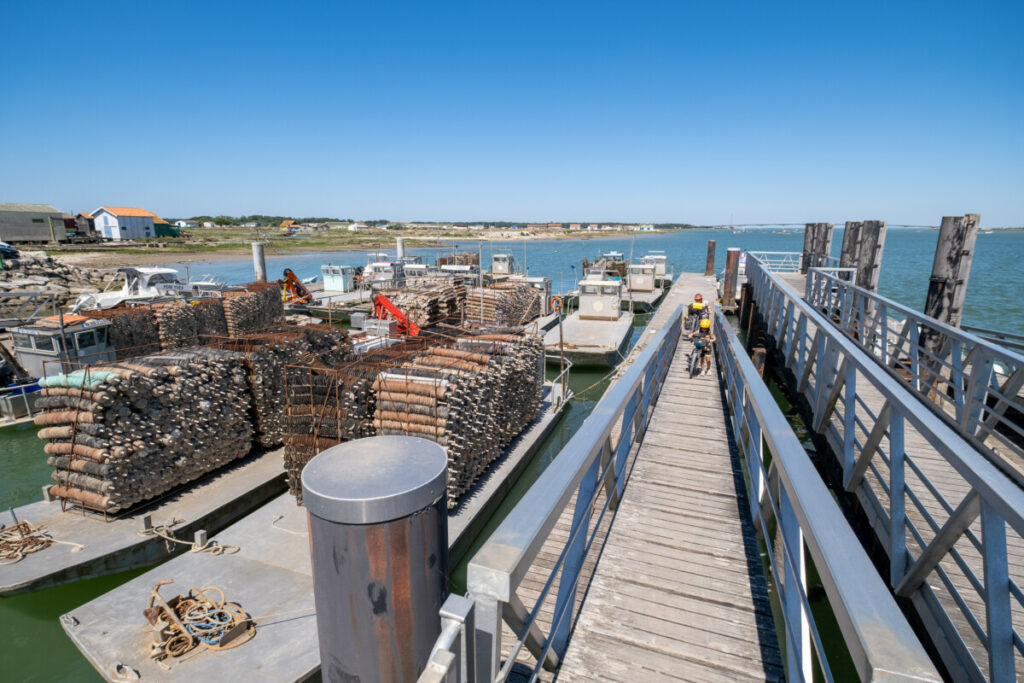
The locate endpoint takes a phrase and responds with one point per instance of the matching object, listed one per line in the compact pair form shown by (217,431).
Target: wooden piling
(850,250)
(759,356)
(817,245)
(732,267)
(709,265)
(954,253)
(869,256)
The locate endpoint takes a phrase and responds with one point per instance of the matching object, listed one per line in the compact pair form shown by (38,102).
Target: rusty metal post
(378,523)
(732,266)
(709,266)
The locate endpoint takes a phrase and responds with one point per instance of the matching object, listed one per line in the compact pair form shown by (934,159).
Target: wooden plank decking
(679,592)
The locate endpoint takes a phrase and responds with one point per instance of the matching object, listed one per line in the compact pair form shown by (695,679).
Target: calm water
(906,264)
(34,647)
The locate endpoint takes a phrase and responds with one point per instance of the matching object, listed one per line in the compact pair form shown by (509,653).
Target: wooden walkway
(673,587)
(679,593)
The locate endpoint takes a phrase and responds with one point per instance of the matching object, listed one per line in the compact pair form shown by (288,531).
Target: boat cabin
(78,340)
(503,265)
(658,260)
(385,274)
(599,299)
(592,274)
(338,278)
(469,274)
(641,277)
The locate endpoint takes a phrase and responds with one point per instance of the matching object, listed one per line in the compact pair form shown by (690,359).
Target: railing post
(565,604)
(897,500)
(798,652)
(754,464)
(998,616)
(849,415)
(487,637)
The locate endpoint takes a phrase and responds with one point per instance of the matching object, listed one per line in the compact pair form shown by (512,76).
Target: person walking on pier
(696,311)
(703,338)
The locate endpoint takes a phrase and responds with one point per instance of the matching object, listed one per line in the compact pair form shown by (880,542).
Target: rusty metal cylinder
(732,268)
(378,524)
(709,266)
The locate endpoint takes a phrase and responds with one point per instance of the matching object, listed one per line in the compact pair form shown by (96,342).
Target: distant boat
(146,283)
(597,334)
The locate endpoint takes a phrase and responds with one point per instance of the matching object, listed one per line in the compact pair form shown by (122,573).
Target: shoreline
(138,255)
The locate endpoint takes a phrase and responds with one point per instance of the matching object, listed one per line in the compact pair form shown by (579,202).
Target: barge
(598,333)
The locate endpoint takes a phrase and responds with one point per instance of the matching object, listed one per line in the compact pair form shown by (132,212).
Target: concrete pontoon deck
(591,343)
(90,546)
(271,578)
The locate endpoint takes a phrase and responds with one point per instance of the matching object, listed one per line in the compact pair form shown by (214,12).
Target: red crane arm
(383,306)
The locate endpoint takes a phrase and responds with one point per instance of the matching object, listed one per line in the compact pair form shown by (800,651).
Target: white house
(356,227)
(185,224)
(124,222)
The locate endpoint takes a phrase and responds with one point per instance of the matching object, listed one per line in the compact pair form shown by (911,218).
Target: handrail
(14,391)
(954,372)
(944,513)
(874,629)
(779,261)
(592,462)
(561,381)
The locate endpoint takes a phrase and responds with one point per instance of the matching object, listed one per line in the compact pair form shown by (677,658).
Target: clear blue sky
(675,111)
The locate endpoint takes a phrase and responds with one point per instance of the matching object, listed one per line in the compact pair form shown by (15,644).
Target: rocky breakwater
(34,270)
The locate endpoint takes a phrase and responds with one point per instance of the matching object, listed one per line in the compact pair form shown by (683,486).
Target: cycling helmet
(705,324)
(699,297)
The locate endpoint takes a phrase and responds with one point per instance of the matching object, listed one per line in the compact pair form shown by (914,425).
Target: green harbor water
(34,646)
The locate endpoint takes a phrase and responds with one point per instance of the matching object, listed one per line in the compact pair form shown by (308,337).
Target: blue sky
(703,112)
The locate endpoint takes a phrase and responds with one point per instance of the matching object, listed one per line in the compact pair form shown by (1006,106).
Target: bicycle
(694,360)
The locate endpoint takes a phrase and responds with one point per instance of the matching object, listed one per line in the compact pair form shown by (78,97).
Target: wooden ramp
(678,592)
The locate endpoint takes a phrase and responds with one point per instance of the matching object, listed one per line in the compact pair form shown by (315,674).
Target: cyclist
(695,312)
(703,338)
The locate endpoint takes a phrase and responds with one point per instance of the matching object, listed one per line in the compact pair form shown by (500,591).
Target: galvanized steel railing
(789,261)
(971,382)
(783,486)
(950,521)
(591,464)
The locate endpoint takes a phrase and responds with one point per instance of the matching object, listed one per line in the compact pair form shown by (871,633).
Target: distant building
(356,227)
(555,226)
(31,223)
(593,226)
(185,224)
(536,226)
(251,224)
(646,227)
(575,226)
(207,224)
(85,224)
(125,222)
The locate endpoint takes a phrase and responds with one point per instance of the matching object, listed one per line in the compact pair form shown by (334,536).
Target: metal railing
(560,391)
(22,306)
(16,397)
(951,523)
(791,261)
(783,486)
(592,463)
(970,382)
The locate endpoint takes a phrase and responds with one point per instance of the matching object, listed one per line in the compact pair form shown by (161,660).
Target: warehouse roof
(29,208)
(127,211)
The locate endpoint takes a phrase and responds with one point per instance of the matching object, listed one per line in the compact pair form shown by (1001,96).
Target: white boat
(643,291)
(142,283)
(598,333)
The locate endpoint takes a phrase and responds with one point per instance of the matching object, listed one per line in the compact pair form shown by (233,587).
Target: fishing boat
(149,284)
(597,334)
(642,291)
(660,262)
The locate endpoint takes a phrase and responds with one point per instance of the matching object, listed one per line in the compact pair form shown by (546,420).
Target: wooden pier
(679,593)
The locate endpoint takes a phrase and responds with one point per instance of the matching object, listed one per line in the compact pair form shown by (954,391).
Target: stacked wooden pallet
(253,309)
(125,432)
(133,331)
(502,304)
(427,306)
(472,398)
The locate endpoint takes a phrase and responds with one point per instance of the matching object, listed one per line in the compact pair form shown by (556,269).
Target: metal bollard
(378,525)
(259,262)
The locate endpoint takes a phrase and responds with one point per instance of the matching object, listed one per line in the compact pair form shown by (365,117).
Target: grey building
(31,223)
